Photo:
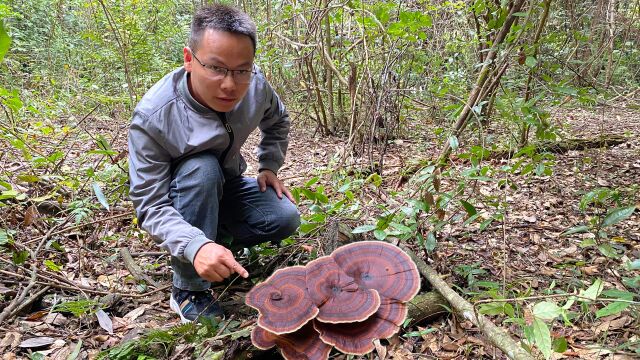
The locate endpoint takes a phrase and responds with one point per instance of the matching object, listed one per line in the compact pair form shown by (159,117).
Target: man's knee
(287,220)
(290,220)
(201,171)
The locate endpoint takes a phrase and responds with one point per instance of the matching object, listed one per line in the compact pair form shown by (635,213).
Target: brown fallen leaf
(9,356)
(135,313)
(380,349)
(37,315)
(100,338)
(611,323)
(30,215)
(451,346)
(56,319)
(590,270)
(10,340)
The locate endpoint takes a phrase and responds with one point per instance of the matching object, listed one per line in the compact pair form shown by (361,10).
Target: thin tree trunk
(123,52)
(524,135)
(326,39)
(322,121)
(474,96)
(611,27)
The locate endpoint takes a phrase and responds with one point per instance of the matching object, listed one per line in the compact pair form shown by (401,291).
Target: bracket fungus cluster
(345,300)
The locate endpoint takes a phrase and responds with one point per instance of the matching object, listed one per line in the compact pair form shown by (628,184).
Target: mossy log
(564,146)
(427,306)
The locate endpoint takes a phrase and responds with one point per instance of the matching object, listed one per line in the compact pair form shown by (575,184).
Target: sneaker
(192,304)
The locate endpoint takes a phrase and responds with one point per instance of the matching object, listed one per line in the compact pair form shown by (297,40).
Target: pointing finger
(236,267)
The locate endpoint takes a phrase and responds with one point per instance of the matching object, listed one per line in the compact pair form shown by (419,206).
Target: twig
(74,227)
(30,300)
(134,269)
(496,335)
(149,253)
(73,287)
(19,298)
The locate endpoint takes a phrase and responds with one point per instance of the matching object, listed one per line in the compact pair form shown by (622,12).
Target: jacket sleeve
(275,132)
(150,179)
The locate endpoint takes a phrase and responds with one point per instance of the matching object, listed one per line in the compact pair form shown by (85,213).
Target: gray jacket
(169,124)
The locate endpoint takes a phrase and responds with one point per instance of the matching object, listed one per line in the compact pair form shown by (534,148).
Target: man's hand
(215,263)
(269,178)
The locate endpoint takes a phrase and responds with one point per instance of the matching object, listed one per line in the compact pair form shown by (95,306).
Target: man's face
(225,50)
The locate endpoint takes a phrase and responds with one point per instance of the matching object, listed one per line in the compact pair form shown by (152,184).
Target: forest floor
(525,255)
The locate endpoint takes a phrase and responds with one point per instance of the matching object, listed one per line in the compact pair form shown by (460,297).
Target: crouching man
(185,164)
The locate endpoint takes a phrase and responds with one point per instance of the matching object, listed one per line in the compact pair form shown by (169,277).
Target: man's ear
(188,58)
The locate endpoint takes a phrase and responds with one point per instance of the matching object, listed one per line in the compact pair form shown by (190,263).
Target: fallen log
(496,335)
(427,306)
(562,147)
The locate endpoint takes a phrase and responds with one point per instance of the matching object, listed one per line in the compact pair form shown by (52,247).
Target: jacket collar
(183,89)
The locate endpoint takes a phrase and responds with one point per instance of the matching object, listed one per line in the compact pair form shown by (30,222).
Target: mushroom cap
(336,294)
(357,338)
(263,339)
(282,301)
(381,266)
(304,343)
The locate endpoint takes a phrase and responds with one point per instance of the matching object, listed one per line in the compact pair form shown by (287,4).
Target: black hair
(222,18)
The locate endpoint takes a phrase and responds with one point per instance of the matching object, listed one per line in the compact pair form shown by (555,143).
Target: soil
(526,254)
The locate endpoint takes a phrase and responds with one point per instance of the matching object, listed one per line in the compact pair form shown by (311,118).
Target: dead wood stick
(30,300)
(134,269)
(74,227)
(149,253)
(496,335)
(19,299)
(81,288)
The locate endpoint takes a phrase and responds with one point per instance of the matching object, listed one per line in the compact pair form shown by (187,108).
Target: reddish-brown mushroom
(303,344)
(336,294)
(282,301)
(381,266)
(357,338)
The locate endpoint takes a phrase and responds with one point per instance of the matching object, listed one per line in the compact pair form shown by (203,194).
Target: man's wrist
(194,246)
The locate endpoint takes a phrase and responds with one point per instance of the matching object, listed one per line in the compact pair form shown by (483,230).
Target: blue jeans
(218,206)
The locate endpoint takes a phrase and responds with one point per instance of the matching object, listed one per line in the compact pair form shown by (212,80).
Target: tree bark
(427,306)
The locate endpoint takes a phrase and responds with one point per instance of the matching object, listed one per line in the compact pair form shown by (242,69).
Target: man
(185,164)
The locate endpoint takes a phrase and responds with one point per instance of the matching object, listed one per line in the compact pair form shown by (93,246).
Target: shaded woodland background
(497,139)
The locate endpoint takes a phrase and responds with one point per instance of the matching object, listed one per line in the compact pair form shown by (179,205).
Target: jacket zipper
(223,156)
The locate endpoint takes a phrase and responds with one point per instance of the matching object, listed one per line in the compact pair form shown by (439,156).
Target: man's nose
(228,83)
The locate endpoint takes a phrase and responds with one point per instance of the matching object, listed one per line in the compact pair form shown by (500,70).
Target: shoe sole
(173,304)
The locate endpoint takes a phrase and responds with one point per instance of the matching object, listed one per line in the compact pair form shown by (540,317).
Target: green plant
(607,204)
(78,307)
(159,344)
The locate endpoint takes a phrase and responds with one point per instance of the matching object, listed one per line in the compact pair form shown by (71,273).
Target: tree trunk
(474,96)
(611,27)
(326,40)
(524,135)
(427,306)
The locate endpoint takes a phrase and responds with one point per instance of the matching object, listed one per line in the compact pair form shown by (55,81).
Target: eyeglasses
(219,72)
